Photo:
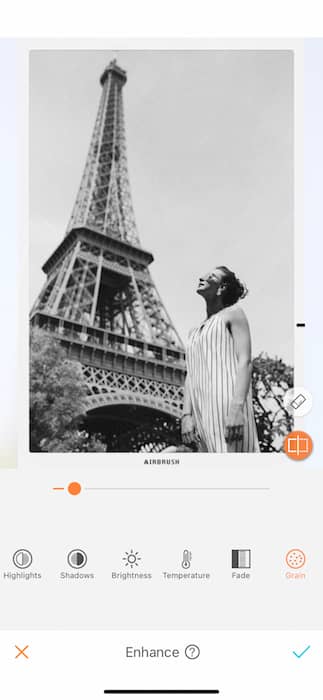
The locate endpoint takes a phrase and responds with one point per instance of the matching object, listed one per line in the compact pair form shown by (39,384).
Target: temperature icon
(187,558)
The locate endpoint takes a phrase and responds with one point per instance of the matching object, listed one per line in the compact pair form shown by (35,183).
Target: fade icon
(241,559)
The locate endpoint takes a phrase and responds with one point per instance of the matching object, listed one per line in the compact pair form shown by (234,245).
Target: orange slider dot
(74,488)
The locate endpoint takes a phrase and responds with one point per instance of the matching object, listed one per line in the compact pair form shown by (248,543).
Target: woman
(218,414)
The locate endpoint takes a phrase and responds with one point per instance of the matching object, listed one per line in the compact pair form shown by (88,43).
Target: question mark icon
(192,651)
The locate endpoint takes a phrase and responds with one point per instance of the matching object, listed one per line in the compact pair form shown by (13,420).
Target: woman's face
(209,283)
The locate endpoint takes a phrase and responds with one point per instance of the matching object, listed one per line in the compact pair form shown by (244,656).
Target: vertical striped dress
(211,372)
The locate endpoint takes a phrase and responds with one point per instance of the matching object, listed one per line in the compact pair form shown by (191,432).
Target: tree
(271,378)
(57,397)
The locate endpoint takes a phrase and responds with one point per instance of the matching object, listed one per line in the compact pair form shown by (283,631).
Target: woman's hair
(234,289)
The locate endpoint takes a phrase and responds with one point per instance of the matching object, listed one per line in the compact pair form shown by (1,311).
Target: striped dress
(211,372)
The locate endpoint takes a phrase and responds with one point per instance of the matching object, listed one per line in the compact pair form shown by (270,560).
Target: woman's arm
(239,329)
(187,403)
(188,427)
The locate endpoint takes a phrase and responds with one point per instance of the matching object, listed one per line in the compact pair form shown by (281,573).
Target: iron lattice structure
(100,301)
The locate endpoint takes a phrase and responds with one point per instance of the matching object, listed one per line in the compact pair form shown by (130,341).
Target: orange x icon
(21,652)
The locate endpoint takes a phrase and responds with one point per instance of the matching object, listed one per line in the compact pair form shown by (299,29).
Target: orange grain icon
(295,558)
(298,445)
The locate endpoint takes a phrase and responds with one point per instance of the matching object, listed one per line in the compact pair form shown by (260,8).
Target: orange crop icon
(298,445)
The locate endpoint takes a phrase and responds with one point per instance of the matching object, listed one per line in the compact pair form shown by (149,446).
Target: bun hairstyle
(234,289)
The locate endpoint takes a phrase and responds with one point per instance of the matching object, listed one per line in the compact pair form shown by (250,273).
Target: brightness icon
(131,558)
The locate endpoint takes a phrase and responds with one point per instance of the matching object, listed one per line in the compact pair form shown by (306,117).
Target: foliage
(271,378)
(152,436)
(57,394)
(76,441)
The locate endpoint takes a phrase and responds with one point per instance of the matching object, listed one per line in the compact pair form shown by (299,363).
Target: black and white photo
(161,250)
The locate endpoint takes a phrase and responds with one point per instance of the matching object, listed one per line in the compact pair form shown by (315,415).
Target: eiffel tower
(100,301)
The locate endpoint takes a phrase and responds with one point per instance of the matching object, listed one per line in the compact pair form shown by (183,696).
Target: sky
(210,155)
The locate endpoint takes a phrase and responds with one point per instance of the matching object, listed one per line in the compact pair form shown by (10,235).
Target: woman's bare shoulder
(234,314)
